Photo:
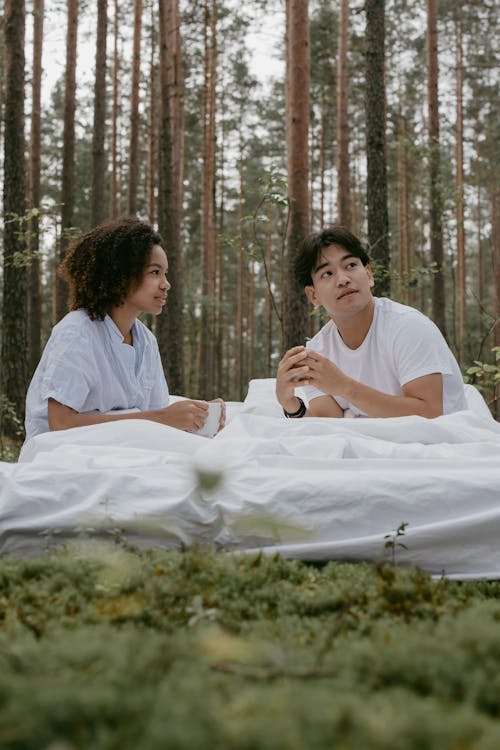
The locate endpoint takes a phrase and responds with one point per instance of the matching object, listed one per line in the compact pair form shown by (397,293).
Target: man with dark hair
(375,357)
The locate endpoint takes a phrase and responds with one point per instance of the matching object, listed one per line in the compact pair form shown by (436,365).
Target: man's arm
(324,406)
(291,373)
(422,396)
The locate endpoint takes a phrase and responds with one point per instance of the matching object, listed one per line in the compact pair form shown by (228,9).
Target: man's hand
(324,375)
(292,371)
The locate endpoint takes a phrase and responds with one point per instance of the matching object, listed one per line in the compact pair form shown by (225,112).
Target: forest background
(379,115)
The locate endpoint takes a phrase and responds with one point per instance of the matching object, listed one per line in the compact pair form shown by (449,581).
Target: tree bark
(68,168)
(170,326)
(403,235)
(459,187)
(114,118)
(343,168)
(34,280)
(206,382)
(133,174)
(98,211)
(378,217)
(152,119)
(436,199)
(295,313)
(14,361)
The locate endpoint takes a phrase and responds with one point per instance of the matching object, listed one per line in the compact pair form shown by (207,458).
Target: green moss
(102,646)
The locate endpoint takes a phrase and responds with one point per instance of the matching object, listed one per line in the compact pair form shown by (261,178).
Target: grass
(103,646)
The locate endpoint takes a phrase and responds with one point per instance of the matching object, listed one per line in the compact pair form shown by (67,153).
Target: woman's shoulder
(76,325)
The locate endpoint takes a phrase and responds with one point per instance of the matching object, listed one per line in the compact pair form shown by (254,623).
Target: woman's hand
(187,415)
(222,421)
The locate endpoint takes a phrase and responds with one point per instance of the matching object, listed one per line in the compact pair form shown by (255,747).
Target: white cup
(211,425)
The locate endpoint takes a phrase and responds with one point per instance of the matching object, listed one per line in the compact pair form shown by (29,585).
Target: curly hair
(310,250)
(104,264)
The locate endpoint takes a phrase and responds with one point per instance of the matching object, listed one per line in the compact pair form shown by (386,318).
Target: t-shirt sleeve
(419,349)
(69,369)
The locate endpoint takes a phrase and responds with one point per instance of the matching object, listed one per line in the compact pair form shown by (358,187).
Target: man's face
(341,283)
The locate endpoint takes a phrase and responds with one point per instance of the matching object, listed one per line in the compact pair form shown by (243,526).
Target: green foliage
(103,646)
(486,376)
(10,424)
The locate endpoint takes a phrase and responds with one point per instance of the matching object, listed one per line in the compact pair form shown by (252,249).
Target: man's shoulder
(389,311)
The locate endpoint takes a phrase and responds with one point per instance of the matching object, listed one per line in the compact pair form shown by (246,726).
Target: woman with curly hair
(100,358)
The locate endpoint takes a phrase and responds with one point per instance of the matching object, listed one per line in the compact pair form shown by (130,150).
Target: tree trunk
(343,169)
(295,311)
(14,361)
(378,218)
(437,255)
(459,185)
(114,118)
(133,174)
(403,235)
(208,204)
(170,326)
(495,221)
(34,281)
(98,212)
(68,168)
(152,119)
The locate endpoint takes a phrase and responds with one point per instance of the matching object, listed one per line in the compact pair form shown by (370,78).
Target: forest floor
(105,646)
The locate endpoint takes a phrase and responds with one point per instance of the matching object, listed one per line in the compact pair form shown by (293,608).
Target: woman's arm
(187,415)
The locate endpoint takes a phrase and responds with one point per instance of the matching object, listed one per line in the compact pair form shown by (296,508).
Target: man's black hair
(312,246)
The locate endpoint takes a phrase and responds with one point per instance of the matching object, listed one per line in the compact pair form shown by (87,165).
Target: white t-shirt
(402,344)
(86,366)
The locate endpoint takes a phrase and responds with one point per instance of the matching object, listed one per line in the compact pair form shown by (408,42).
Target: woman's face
(150,295)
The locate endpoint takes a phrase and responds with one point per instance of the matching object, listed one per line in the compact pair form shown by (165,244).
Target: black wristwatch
(296,414)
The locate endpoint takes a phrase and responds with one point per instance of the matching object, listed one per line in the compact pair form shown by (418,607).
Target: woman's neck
(124,320)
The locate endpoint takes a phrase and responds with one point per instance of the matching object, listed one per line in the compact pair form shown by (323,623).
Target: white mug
(211,425)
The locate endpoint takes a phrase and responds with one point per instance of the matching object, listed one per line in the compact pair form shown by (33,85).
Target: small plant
(11,426)
(392,541)
(486,377)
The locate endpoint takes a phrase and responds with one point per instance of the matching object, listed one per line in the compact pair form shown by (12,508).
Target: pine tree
(376,179)
(98,211)
(295,317)
(14,362)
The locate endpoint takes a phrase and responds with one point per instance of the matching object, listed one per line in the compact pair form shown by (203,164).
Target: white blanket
(314,489)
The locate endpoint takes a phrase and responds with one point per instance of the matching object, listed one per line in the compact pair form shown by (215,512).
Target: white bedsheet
(313,489)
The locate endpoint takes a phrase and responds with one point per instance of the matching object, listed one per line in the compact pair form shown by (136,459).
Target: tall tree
(14,370)
(133,174)
(376,178)
(295,318)
(495,216)
(343,169)
(170,330)
(68,167)
(459,187)
(34,280)
(436,198)
(208,224)
(113,209)
(98,210)
(403,223)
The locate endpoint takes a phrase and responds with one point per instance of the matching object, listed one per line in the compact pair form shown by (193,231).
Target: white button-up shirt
(86,366)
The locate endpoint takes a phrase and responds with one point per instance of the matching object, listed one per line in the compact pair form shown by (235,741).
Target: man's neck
(353,331)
